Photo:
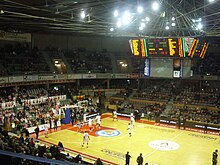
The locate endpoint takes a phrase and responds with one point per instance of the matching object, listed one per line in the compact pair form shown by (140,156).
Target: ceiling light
(111,29)
(199,26)
(155,6)
(167,27)
(126,19)
(139,9)
(1,12)
(83,15)
(147,19)
(142,24)
(173,24)
(119,24)
(173,18)
(115,13)
(141,28)
(211,1)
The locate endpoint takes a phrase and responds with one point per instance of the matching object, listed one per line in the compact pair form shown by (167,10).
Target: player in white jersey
(98,121)
(84,118)
(90,124)
(86,139)
(129,129)
(115,115)
(132,120)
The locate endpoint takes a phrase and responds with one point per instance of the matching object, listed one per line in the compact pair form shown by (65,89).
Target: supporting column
(78,83)
(108,84)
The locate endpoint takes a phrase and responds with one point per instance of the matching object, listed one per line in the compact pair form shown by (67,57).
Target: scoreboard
(201,49)
(168,47)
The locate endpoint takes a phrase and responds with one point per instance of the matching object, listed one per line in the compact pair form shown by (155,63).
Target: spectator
(37,130)
(78,158)
(140,159)
(60,146)
(98,162)
(21,139)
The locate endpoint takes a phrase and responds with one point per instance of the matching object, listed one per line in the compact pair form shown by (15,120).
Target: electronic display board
(168,47)
(161,67)
(187,44)
(157,46)
(201,48)
(175,47)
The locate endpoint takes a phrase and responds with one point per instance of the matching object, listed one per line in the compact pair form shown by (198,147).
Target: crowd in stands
(161,92)
(84,61)
(195,114)
(18,120)
(180,92)
(21,59)
(27,145)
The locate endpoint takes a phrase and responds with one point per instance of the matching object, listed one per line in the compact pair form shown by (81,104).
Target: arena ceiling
(172,18)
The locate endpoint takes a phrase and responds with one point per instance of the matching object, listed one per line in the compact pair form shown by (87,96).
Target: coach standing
(215,157)
(127,158)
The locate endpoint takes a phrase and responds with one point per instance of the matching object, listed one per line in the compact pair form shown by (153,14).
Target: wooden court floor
(159,145)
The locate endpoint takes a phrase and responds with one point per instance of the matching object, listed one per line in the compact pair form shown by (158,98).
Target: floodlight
(142,24)
(173,24)
(211,1)
(141,28)
(126,19)
(116,13)
(199,26)
(111,29)
(147,19)
(83,15)
(155,6)
(139,9)
(119,24)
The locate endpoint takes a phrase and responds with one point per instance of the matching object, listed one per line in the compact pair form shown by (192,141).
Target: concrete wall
(115,44)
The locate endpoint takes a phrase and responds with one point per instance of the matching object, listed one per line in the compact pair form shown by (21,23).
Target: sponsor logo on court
(113,153)
(163,145)
(107,133)
(203,136)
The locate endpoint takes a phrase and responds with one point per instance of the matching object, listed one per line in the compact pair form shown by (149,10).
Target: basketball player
(129,129)
(98,121)
(86,139)
(84,118)
(115,115)
(90,124)
(79,126)
(132,120)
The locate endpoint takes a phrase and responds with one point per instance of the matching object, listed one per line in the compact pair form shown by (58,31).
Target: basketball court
(159,145)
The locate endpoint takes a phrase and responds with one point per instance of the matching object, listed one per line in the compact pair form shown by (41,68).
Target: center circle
(164,145)
(107,133)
